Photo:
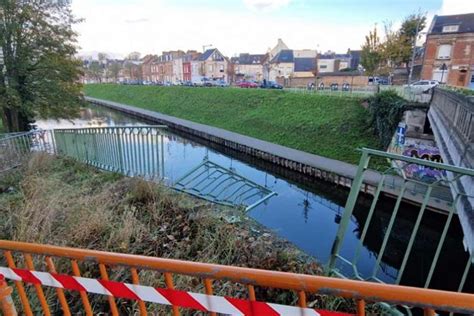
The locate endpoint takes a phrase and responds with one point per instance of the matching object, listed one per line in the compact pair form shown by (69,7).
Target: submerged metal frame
(217,182)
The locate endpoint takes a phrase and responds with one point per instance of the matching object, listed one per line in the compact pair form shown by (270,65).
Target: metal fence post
(7,307)
(348,209)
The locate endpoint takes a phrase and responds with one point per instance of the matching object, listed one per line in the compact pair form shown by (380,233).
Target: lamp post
(443,68)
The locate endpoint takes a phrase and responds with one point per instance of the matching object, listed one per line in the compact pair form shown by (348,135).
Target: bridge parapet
(452,121)
(457,115)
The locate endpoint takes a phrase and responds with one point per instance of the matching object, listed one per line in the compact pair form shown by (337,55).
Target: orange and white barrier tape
(196,301)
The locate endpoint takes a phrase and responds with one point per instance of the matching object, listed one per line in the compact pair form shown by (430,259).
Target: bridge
(452,120)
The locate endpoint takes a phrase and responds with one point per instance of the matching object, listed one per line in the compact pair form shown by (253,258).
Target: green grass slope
(324,125)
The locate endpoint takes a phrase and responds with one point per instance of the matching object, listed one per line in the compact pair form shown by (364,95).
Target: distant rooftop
(249,59)
(459,23)
(284,56)
(305,64)
(208,53)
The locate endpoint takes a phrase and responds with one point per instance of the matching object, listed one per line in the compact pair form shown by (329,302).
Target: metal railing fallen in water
(217,184)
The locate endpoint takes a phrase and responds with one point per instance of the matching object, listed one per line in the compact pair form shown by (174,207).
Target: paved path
(341,168)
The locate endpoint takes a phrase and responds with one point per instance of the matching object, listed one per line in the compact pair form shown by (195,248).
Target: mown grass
(61,202)
(329,126)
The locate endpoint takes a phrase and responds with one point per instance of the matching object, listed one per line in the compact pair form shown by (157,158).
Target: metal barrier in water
(220,185)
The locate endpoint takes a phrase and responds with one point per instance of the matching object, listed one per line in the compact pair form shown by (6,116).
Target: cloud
(266,5)
(139,20)
(456,7)
(164,27)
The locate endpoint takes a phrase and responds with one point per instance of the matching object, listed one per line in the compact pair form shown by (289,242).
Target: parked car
(422,85)
(346,86)
(188,83)
(270,85)
(248,84)
(221,83)
(334,86)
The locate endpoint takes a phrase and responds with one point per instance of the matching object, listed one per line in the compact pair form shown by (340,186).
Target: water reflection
(307,212)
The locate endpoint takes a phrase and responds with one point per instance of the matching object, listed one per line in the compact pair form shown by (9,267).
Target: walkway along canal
(307,212)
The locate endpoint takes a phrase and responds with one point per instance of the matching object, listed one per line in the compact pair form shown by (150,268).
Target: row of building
(278,64)
(446,56)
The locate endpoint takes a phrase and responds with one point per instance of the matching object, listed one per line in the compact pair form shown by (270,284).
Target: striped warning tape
(196,301)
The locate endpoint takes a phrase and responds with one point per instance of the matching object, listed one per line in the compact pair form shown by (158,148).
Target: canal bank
(330,170)
(306,211)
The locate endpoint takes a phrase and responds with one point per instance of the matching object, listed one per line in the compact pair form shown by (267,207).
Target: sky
(119,27)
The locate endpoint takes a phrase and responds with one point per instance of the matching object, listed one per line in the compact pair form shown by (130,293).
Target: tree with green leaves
(39,75)
(371,54)
(409,32)
(396,49)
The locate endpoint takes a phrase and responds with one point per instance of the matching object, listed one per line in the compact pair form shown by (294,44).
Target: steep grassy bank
(61,202)
(324,125)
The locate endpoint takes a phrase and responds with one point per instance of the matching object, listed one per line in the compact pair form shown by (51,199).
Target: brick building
(449,50)
(187,59)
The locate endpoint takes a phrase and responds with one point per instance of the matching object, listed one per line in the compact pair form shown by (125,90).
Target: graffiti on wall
(423,173)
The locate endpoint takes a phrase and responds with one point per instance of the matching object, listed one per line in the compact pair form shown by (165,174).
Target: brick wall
(460,63)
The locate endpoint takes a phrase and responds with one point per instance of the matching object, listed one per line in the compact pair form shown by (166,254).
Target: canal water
(307,211)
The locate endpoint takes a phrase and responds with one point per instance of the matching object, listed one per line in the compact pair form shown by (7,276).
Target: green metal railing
(130,150)
(446,175)
(14,146)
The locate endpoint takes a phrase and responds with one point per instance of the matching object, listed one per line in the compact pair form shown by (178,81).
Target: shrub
(386,110)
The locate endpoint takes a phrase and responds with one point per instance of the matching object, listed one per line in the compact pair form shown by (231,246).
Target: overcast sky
(237,26)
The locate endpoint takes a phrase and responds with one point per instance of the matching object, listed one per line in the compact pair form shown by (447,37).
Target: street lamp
(443,68)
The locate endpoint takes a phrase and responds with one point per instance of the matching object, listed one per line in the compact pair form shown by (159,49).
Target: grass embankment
(324,125)
(61,202)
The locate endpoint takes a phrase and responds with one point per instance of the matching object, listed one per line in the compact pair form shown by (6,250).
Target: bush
(386,110)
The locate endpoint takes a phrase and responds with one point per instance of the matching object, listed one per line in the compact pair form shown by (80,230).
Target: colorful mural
(425,174)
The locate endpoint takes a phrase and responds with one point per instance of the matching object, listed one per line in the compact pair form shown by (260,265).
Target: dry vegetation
(61,202)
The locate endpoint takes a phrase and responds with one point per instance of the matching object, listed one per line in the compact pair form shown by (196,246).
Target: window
(450,28)
(221,68)
(211,69)
(444,51)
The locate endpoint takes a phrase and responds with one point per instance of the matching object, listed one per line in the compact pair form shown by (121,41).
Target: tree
(371,54)
(39,75)
(409,32)
(95,71)
(114,70)
(393,49)
(397,48)
(102,57)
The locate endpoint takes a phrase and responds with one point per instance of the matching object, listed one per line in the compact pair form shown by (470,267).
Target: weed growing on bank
(62,202)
